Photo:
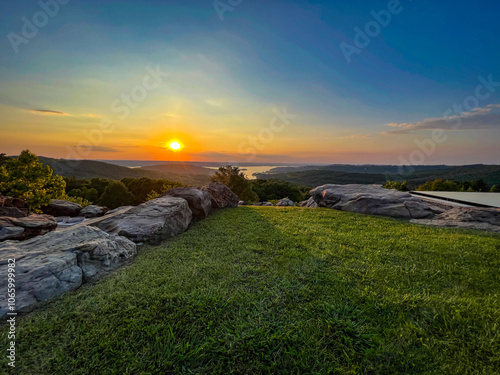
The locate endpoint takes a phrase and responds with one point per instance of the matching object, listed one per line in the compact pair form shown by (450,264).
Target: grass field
(282,291)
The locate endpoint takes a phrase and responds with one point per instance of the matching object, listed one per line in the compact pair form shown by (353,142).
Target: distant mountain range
(85,169)
(378,174)
(216,164)
(312,175)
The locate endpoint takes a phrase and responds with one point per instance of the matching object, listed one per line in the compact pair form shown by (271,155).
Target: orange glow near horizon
(174,145)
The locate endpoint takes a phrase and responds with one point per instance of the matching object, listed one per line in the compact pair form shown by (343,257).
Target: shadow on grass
(256,290)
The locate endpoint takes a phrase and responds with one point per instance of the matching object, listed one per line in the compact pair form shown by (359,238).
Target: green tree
(440,185)
(3,158)
(495,189)
(88,194)
(268,190)
(99,184)
(401,186)
(145,187)
(26,178)
(479,185)
(116,194)
(236,180)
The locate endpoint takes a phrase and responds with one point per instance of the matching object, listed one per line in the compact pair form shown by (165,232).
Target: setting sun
(175,146)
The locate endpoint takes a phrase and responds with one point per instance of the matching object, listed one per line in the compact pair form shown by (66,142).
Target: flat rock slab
(369,200)
(22,228)
(262,204)
(93,211)
(151,222)
(487,219)
(472,215)
(49,265)
(458,224)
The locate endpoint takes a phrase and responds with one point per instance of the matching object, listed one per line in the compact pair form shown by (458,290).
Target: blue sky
(227,76)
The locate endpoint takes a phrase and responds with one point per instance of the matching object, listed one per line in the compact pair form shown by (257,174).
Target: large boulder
(487,219)
(22,228)
(151,222)
(200,201)
(59,207)
(93,211)
(49,265)
(370,200)
(13,207)
(285,202)
(221,196)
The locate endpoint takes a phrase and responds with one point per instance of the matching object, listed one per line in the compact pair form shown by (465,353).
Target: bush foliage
(269,190)
(447,185)
(26,178)
(236,180)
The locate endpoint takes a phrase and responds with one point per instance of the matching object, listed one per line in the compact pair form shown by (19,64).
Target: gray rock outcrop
(262,204)
(121,208)
(49,265)
(22,228)
(200,201)
(221,196)
(58,207)
(370,200)
(93,211)
(13,207)
(285,202)
(472,215)
(151,222)
(487,219)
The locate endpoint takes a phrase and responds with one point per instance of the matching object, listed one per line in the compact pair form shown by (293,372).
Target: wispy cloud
(487,117)
(48,112)
(355,136)
(211,154)
(99,148)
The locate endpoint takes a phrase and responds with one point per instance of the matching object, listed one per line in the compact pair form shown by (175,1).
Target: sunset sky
(216,78)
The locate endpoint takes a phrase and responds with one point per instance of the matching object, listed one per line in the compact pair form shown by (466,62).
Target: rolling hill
(314,178)
(84,169)
(379,174)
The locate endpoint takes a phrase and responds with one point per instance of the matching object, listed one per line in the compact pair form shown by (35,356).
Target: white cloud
(487,117)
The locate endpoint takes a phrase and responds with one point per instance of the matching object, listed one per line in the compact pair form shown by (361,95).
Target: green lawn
(282,290)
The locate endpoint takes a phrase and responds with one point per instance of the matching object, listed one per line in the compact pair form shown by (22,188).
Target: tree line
(446,185)
(25,177)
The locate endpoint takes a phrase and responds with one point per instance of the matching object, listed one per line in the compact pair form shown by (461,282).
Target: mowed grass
(265,290)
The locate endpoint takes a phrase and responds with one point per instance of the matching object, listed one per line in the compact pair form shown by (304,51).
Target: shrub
(81,201)
(88,194)
(268,190)
(115,195)
(236,180)
(440,185)
(144,188)
(479,185)
(401,186)
(26,178)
